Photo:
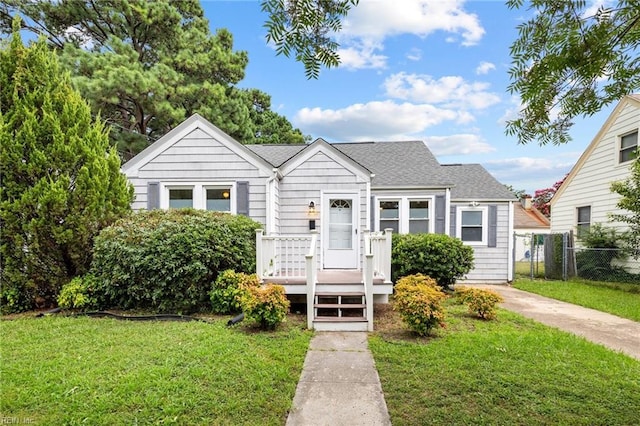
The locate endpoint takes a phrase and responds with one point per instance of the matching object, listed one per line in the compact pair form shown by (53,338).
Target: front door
(340,231)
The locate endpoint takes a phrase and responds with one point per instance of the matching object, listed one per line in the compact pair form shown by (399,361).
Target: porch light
(474,204)
(311,212)
(225,194)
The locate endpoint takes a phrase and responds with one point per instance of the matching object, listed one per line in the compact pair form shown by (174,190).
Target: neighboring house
(320,200)
(527,221)
(585,197)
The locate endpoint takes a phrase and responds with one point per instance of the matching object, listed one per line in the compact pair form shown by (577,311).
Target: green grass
(503,372)
(523,269)
(63,370)
(619,299)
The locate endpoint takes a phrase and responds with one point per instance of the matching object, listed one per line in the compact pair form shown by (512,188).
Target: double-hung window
(628,147)
(405,215)
(390,215)
(583,222)
(203,196)
(472,225)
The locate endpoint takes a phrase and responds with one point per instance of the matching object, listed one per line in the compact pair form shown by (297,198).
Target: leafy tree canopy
(146,66)
(630,201)
(542,197)
(61,180)
(305,29)
(571,60)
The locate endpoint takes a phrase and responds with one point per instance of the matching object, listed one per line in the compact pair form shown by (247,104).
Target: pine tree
(61,179)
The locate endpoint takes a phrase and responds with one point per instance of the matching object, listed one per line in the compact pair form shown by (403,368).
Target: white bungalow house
(585,197)
(328,210)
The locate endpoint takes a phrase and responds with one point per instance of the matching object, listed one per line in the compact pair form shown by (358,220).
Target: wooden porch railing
(312,279)
(282,256)
(379,245)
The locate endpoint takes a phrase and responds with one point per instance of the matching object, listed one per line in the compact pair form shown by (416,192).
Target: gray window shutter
(452,221)
(372,213)
(153,195)
(441,211)
(242,198)
(493,226)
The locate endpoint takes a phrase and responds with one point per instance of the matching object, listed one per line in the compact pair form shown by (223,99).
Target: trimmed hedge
(166,260)
(439,256)
(266,305)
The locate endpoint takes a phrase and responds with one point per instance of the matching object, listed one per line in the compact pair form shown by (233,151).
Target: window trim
(485,224)
(199,193)
(620,149)
(404,203)
(582,224)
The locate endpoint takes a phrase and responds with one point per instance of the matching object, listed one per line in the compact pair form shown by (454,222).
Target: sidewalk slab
(619,334)
(339,384)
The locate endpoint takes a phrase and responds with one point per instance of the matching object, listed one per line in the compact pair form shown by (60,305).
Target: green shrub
(267,305)
(228,290)
(439,256)
(166,260)
(479,301)
(79,293)
(419,304)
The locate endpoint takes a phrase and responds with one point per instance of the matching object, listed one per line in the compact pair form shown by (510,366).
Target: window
(584,220)
(418,216)
(628,147)
(390,215)
(471,226)
(218,199)
(405,215)
(199,195)
(180,198)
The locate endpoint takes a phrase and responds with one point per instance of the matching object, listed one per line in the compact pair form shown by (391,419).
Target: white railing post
(386,259)
(259,265)
(368,288)
(311,273)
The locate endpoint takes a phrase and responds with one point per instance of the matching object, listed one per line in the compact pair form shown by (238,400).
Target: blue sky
(411,70)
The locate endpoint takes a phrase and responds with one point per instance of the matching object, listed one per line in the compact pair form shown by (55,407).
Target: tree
(306,27)
(629,189)
(61,180)
(569,62)
(542,197)
(146,66)
(519,193)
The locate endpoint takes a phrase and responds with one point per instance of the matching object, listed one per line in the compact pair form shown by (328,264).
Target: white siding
(200,158)
(491,264)
(590,185)
(306,183)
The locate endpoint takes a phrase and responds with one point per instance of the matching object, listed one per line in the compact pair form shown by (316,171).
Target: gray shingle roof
(403,164)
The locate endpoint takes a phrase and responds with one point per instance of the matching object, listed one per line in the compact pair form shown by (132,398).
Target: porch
(335,299)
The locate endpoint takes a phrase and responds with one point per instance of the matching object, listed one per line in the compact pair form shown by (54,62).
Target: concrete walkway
(339,384)
(616,333)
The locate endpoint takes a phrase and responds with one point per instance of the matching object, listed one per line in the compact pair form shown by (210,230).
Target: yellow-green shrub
(228,290)
(266,305)
(419,303)
(479,301)
(78,293)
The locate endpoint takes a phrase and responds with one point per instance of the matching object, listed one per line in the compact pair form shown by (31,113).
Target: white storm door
(340,231)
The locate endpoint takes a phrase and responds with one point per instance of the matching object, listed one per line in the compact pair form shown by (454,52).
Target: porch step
(340,319)
(340,305)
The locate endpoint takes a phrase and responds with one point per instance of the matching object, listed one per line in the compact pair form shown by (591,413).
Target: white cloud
(380,19)
(460,144)
(532,173)
(484,68)
(451,91)
(372,21)
(362,55)
(385,120)
(414,54)
(593,7)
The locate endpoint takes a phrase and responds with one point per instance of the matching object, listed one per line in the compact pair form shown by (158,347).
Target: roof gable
(195,122)
(320,145)
(633,100)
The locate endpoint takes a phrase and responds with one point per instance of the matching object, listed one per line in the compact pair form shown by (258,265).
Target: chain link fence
(555,256)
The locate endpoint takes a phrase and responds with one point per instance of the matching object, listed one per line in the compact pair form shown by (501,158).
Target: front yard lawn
(511,371)
(66,370)
(618,299)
